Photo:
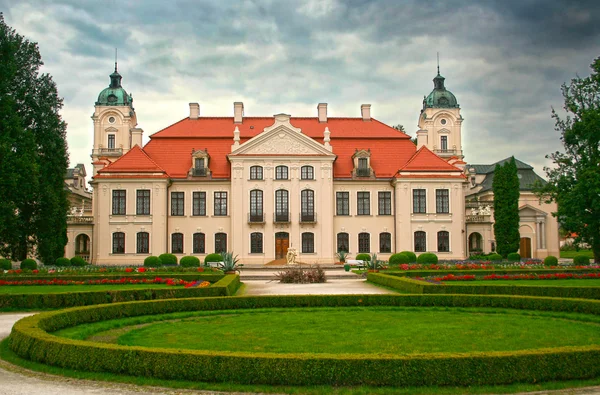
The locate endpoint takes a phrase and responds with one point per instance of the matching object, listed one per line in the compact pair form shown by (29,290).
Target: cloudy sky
(504,60)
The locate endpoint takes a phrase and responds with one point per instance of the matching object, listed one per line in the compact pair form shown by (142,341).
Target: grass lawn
(366,330)
(592,282)
(571,254)
(44,289)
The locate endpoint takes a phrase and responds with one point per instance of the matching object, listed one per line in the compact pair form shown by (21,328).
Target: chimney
(194,110)
(365,112)
(322,109)
(238,112)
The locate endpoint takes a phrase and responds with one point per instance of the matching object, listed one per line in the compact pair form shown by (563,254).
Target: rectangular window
(364,203)
(177,204)
(385,203)
(364,243)
(119,202)
(220,204)
(444,143)
(199,245)
(111,141)
(142,206)
(256,173)
(177,243)
(308,243)
(281,173)
(419,199)
(343,242)
(307,173)
(420,241)
(143,243)
(307,206)
(118,243)
(342,203)
(385,242)
(220,242)
(443,241)
(256,243)
(442,201)
(199,204)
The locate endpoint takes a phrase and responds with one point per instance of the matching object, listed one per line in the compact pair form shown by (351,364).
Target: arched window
(256,205)
(220,242)
(307,173)
(308,243)
(343,242)
(281,173)
(256,243)
(307,203)
(143,242)
(281,206)
(475,242)
(118,243)
(177,243)
(364,242)
(420,241)
(385,242)
(256,172)
(198,240)
(443,239)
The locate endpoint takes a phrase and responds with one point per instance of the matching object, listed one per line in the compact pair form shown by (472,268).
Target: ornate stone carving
(283,144)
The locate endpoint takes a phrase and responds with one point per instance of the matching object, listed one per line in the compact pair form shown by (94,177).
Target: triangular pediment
(282,138)
(530,211)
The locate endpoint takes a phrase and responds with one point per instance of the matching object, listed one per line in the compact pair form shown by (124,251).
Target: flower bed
(86,270)
(120,281)
(525,276)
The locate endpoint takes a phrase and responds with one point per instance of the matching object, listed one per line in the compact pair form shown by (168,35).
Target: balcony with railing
(447,152)
(474,219)
(109,151)
(281,217)
(363,172)
(256,218)
(80,219)
(308,218)
(199,171)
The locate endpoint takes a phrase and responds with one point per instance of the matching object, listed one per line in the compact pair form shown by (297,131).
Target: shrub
(153,261)
(300,275)
(494,257)
(341,256)
(5,264)
(513,257)
(214,257)
(62,262)
(412,257)
(427,257)
(581,259)
(78,261)
(398,259)
(29,264)
(550,261)
(168,259)
(189,261)
(363,257)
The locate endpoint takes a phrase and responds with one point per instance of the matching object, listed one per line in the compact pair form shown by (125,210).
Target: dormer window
(200,160)
(362,163)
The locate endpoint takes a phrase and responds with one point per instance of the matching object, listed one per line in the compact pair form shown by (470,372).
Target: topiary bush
(78,261)
(152,261)
(29,264)
(495,257)
(5,264)
(168,259)
(398,259)
(412,257)
(427,257)
(581,259)
(189,261)
(63,262)
(551,260)
(214,257)
(513,257)
(363,257)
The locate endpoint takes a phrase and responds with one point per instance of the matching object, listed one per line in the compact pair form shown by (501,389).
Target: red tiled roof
(134,161)
(425,160)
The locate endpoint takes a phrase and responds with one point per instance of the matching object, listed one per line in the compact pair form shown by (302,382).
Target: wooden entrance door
(525,247)
(282,242)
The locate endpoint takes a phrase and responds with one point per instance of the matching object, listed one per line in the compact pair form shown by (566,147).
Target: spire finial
(438,62)
(115,60)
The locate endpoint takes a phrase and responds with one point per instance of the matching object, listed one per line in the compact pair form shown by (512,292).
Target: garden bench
(359,264)
(217,265)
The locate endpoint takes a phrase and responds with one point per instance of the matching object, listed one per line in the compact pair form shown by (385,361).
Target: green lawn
(382,330)
(555,283)
(44,289)
(571,254)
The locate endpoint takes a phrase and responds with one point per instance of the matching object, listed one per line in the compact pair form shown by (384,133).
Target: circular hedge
(427,257)
(30,340)
(78,261)
(5,264)
(214,257)
(363,257)
(63,262)
(29,264)
(398,259)
(168,259)
(551,260)
(513,257)
(412,257)
(189,261)
(495,257)
(581,259)
(152,261)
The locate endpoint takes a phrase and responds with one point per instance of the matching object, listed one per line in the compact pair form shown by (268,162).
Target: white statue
(474,211)
(487,210)
(291,256)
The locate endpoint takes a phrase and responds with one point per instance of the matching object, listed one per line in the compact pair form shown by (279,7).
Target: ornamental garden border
(30,340)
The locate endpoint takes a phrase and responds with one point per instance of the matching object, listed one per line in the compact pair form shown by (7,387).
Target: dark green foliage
(581,259)
(152,261)
(189,261)
(5,264)
(398,259)
(168,259)
(33,154)
(551,260)
(78,261)
(485,272)
(506,208)
(513,257)
(363,257)
(214,257)
(494,257)
(62,262)
(427,257)
(29,340)
(412,257)
(28,264)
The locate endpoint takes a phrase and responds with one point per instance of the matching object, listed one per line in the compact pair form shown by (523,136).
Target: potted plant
(230,263)
(373,265)
(341,256)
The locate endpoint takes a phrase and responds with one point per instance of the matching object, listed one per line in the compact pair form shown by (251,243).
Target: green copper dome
(440,97)
(114,95)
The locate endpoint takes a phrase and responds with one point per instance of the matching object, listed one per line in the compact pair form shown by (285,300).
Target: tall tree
(506,208)
(33,154)
(574,181)
(400,128)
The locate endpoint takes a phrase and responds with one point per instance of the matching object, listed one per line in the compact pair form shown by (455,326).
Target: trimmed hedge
(214,257)
(398,259)
(551,260)
(226,286)
(168,259)
(78,261)
(417,286)
(412,257)
(427,257)
(483,272)
(5,264)
(581,259)
(513,257)
(189,261)
(152,261)
(495,257)
(363,257)
(63,262)
(30,340)
(28,264)
(208,276)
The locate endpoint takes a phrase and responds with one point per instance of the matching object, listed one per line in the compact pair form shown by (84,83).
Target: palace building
(260,185)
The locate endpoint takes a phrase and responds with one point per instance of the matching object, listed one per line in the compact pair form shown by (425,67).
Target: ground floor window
(420,241)
(118,243)
(364,243)
(385,242)
(199,243)
(343,242)
(143,243)
(443,241)
(256,243)
(220,242)
(308,243)
(177,243)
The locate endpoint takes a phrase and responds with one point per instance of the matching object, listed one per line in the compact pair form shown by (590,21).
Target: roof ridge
(167,127)
(151,160)
(130,152)
(440,160)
